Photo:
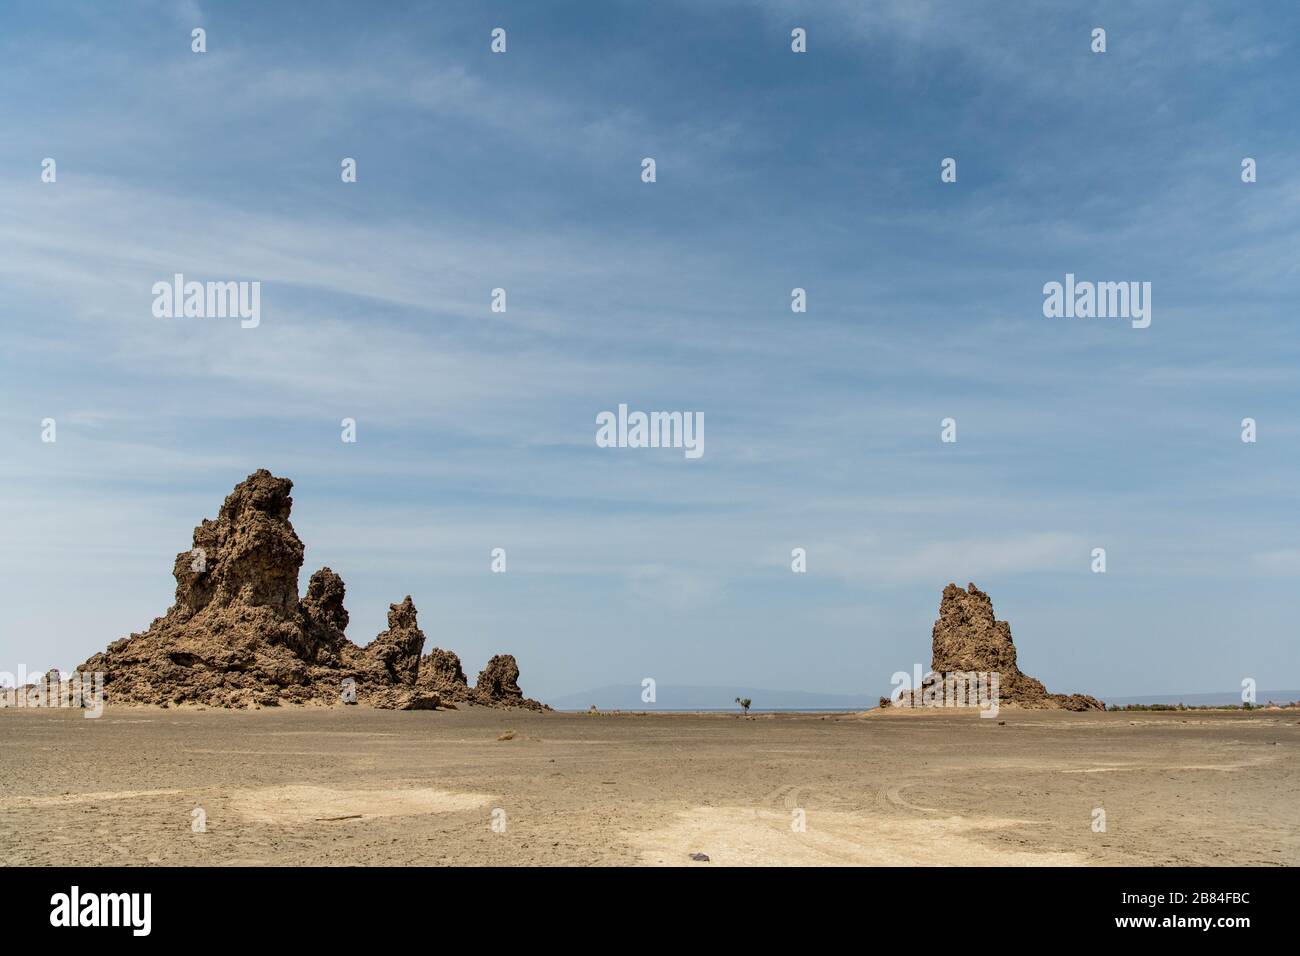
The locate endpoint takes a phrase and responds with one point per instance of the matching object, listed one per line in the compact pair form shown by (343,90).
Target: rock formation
(238,635)
(440,673)
(497,686)
(442,668)
(967,637)
(398,648)
(498,683)
(326,617)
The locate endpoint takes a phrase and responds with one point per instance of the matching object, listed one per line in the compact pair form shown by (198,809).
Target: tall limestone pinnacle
(249,556)
(238,635)
(967,637)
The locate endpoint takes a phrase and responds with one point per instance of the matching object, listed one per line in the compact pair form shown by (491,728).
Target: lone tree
(744,702)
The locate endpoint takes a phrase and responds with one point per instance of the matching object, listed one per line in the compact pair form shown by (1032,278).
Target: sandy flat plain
(354,786)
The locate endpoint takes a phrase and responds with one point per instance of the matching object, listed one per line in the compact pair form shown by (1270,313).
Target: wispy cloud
(522,172)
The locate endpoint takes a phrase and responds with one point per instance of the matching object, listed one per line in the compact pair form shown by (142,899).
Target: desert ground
(355,786)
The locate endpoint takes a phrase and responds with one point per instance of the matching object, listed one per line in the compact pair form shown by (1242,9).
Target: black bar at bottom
(302,905)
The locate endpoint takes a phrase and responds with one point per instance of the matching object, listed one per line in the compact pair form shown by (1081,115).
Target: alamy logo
(83,690)
(208,300)
(651,430)
(951,689)
(103,909)
(1099,300)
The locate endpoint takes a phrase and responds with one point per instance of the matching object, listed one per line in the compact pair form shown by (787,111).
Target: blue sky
(775,170)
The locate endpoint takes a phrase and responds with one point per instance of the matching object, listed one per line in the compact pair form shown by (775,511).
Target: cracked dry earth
(358,786)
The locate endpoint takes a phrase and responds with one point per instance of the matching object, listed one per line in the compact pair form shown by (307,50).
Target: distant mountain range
(1208,700)
(722,697)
